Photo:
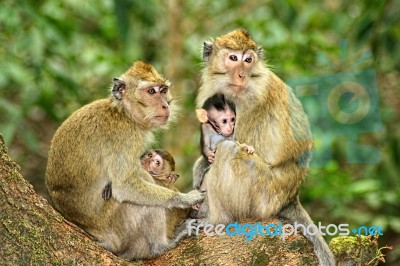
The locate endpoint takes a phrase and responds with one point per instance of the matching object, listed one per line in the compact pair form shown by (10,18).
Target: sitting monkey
(102,142)
(218,118)
(161,166)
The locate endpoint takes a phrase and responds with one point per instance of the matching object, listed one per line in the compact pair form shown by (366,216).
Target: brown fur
(270,118)
(236,40)
(101,143)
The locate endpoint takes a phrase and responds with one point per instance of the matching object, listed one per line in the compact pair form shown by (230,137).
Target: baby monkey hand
(248,148)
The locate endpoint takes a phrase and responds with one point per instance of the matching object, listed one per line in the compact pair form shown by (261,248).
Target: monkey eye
(157,162)
(164,89)
(233,57)
(233,119)
(224,121)
(151,91)
(149,155)
(248,60)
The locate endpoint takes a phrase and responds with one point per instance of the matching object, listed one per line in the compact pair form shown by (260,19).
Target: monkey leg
(137,232)
(200,167)
(242,185)
(175,217)
(229,186)
(294,212)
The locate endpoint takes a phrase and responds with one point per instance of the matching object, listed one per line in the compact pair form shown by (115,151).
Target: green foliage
(58,55)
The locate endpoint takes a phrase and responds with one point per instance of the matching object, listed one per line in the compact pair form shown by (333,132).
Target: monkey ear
(202,115)
(260,53)
(207,50)
(118,89)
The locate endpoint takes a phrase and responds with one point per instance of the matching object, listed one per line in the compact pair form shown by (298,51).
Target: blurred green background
(59,55)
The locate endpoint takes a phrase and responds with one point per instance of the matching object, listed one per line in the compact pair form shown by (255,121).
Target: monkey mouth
(161,118)
(237,88)
(226,135)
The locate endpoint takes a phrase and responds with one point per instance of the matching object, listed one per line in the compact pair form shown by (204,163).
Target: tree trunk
(33,233)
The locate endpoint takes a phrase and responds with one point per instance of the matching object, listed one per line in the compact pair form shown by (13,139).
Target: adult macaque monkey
(101,143)
(270,118)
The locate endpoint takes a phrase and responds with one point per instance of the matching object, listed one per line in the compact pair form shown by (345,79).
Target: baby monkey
(218,119)
(161,166)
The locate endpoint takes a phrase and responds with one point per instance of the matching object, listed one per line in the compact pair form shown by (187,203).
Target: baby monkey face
(160,165)
(223,121)
(154,163)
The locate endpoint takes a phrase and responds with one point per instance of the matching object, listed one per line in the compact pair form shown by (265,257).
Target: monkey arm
(279,134)
(206,141)
(295,141)
(137,190)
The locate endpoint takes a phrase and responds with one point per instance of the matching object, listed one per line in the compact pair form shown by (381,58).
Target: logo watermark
(279,229)
(342,104)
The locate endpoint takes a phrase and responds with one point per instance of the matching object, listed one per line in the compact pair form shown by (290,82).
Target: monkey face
(153,163)
(155,99)
(144,95)
(223,121)
(238,65)
(158,163)
(234,66)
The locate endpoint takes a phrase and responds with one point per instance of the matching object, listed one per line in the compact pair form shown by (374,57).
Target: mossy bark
(33,233)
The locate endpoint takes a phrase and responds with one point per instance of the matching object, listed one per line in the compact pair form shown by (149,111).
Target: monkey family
(272,120)
(103,142)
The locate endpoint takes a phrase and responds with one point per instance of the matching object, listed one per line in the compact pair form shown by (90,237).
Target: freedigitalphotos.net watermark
(279,229)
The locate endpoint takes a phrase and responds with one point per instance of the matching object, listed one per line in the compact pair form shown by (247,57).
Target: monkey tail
(295,212)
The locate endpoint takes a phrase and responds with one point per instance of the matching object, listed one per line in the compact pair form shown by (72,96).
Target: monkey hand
(107,192)
(248,148)
(191,198)
(196,206)
(172,177)
(211,157)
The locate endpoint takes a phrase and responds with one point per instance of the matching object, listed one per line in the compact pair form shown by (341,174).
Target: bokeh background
(56,56)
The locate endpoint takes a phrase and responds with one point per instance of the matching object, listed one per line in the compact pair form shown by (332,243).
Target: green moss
(359,249)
